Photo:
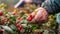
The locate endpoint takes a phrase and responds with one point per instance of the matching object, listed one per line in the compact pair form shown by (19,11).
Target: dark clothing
(52,6)
(37,1)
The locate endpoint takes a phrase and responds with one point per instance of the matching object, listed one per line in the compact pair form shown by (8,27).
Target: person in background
(35,1)
(47,7)
(21,3)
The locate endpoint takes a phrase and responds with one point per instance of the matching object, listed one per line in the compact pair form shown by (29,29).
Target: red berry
(37,32)
(1,13)
(31,15)
(17,25)
(1,31)
(20,27)
(18,19)
(29,19)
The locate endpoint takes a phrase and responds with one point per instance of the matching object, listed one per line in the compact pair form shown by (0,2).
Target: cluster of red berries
(18,20)
(1,13)
(30,17)
(19,27)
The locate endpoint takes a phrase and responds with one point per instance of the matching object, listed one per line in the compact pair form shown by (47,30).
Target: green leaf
(23,22)
(12,18)
(13,27)
(8,29)
(23,17)
(32,26)
(24,25)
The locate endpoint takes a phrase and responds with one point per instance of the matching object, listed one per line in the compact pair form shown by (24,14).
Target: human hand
(41,15)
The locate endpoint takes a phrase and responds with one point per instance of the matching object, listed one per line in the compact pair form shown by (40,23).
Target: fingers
(41,15)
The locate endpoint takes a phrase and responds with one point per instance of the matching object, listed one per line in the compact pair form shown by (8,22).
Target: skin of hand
(28,1)
(41,15)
